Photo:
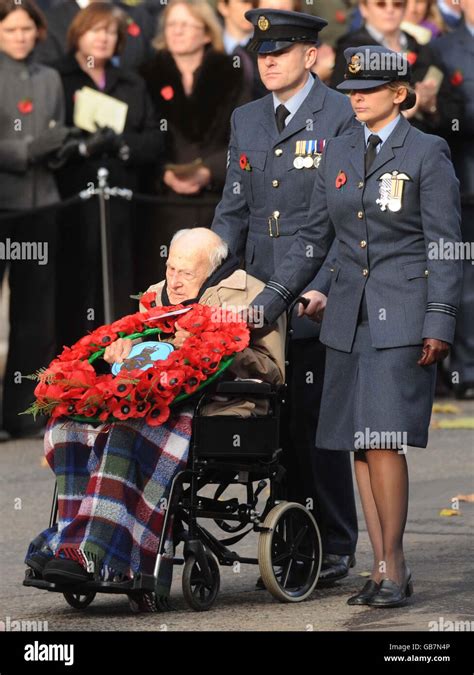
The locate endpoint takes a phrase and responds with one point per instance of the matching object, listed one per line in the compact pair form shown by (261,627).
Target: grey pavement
(439,551)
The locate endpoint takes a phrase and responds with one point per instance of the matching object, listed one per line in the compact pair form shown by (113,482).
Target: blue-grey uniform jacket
(390,226)
(264,205)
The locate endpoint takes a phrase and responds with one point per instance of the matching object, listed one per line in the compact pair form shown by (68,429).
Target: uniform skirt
(375,398)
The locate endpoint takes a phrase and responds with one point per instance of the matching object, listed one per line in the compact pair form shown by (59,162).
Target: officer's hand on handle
(315,309)
(118,350)
(433,351)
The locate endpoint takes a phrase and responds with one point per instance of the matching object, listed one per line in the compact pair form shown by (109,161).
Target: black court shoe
(391,594)
(64,571)
(370,588)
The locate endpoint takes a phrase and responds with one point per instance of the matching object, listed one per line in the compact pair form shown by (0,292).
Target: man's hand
(315,309)
(190,184)
(180,336)
(118,351)
(433,351)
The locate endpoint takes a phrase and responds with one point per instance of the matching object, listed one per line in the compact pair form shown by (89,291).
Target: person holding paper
(96,34)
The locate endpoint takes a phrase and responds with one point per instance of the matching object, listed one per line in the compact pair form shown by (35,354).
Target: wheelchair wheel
(79,600)
(289,556)
(199,595)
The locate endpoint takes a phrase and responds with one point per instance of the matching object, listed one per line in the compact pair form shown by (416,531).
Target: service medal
(391,190)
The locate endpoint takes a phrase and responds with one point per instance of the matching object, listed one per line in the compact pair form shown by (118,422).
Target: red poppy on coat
(341,179)
(133,28)
(412,57)
(167,92)
(456,78)
(25,106)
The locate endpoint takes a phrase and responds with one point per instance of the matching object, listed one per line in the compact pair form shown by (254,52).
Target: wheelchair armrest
(242,387)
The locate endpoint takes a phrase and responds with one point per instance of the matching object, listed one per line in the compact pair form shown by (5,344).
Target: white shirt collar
(83,3)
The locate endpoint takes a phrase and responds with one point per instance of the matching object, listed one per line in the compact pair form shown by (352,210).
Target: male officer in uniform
(274,153)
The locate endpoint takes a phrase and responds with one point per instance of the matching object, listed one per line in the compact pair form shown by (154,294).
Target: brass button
(426,273)
(275,183)
(363,243)
(276,214)
(278,152)
(360,184)
(365,272)
(360,214)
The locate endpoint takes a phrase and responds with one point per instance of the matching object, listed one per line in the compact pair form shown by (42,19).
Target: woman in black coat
(95,35)
(195,87)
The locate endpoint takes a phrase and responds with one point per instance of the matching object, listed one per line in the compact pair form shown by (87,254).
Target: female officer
(389,194)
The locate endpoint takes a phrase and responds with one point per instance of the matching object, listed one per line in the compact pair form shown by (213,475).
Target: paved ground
(439,550)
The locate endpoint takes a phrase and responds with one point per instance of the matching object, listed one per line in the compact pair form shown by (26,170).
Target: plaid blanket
(113,484)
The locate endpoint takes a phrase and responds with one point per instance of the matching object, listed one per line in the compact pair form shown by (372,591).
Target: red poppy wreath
(71,387)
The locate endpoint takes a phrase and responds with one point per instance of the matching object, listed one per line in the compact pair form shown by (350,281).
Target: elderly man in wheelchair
(127,493)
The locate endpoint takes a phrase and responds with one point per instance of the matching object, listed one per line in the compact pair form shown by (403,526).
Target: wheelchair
(225,451)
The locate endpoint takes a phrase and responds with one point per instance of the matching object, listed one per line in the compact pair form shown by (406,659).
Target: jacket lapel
(357,152)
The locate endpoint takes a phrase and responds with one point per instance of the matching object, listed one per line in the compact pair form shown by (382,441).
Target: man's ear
(311,56)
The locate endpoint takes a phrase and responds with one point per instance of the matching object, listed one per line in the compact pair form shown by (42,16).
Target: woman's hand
(433,351)
(118,351)
(316,307)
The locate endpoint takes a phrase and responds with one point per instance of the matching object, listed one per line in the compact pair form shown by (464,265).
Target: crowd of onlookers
(181,67)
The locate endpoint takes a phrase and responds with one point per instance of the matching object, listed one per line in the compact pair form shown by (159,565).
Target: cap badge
(354,65)
(263,23)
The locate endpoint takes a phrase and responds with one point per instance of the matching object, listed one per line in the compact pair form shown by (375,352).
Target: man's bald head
(193,256)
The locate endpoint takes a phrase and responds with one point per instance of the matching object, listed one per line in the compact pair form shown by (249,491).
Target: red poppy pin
(244,163)
(167,92)
(341,179)
(456,78)
(25,106)
(412,57)
(133,28)
(340,16)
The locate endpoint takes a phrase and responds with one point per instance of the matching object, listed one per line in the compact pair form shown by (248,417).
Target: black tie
(281,115)
(371,152)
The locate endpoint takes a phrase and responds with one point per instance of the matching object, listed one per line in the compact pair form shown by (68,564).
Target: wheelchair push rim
(290,552)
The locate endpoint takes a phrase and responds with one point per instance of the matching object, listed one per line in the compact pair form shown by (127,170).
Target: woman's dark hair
(31,8)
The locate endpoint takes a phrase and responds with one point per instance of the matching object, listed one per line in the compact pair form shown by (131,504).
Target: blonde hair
(202,11)
(410,99)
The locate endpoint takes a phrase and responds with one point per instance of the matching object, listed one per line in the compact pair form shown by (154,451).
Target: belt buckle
(270,226)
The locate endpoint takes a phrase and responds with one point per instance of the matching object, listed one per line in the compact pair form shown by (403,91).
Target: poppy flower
(167,92)
(133,28)
(340,16)
(456,78)
(411,58)
(244,162)
(63,409)
(25,106)
(128,324)
(158,414)
(122,388)
(104,336)
(341,179)
(142,408)
(124,410)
